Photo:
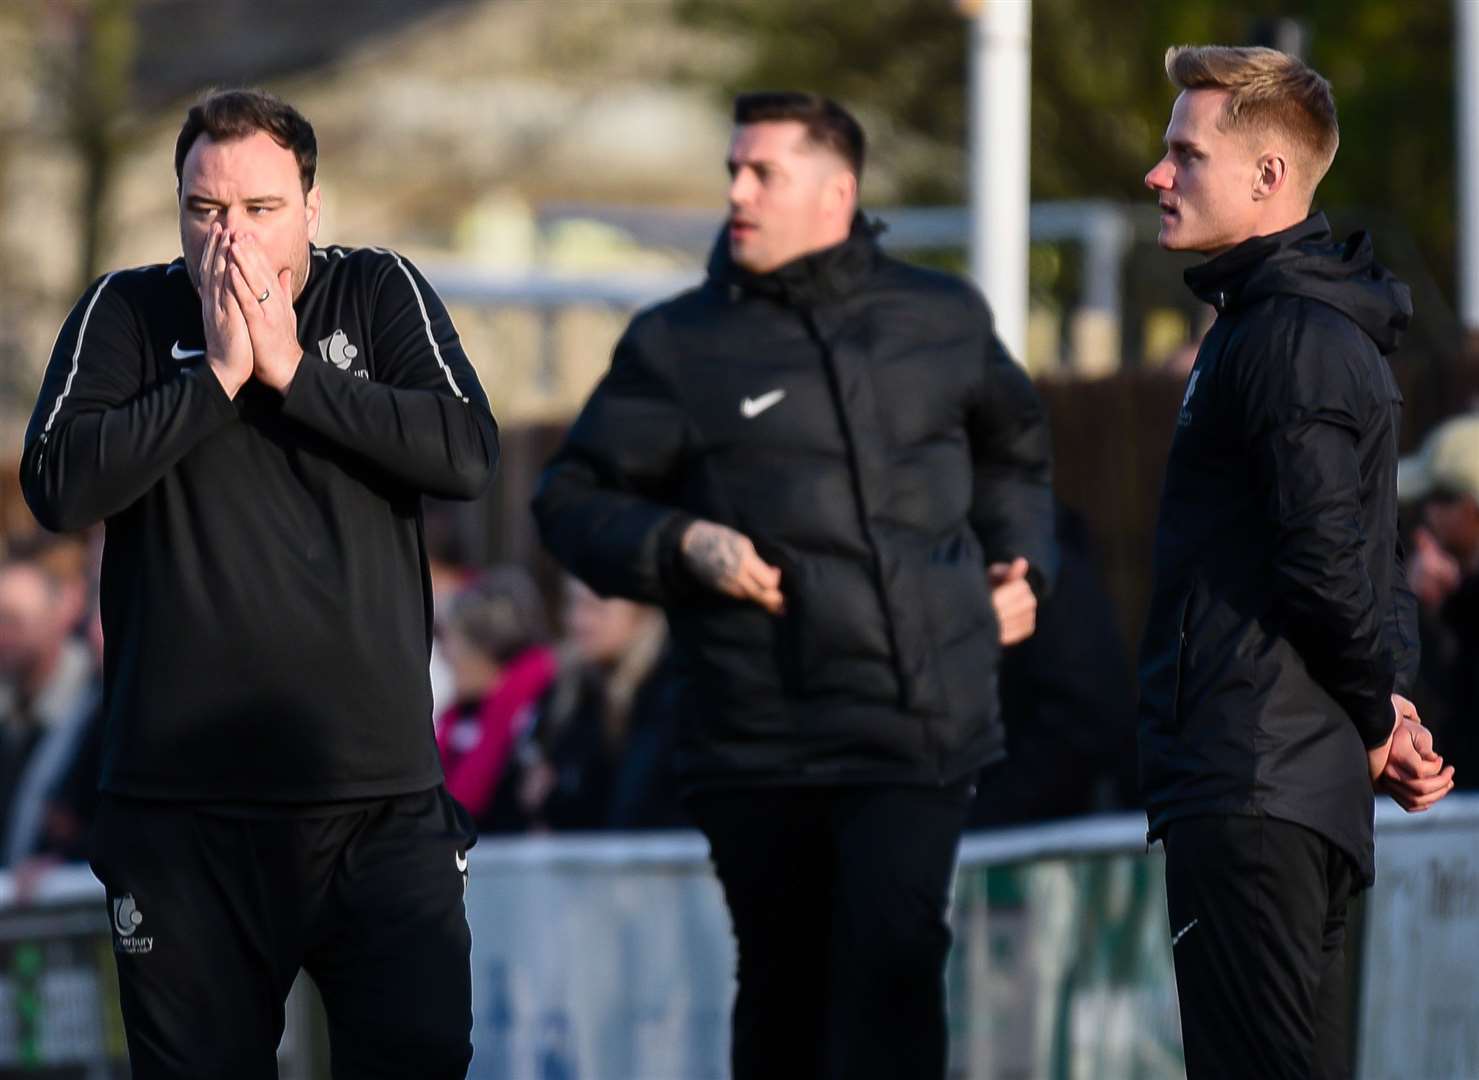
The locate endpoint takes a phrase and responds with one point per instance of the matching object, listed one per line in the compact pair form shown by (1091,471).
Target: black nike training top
(266,605)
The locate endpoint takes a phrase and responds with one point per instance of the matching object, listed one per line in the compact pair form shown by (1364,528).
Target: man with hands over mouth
(246,231)
(256,424)
(249,334)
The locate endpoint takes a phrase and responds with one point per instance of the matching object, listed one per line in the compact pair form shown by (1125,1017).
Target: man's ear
(313,203)
(842,192)
(1272,175)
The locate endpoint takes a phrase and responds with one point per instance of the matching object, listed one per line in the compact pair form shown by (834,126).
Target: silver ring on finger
(265,294)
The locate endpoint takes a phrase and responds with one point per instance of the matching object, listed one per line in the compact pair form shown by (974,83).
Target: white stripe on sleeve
(426,321)
(76,354)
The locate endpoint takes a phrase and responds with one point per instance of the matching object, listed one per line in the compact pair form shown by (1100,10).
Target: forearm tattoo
(714,554)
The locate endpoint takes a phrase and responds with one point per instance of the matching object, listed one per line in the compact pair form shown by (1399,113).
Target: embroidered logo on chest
(336,349)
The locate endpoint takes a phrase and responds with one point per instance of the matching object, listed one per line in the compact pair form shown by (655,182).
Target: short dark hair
(827,123)
(235,114)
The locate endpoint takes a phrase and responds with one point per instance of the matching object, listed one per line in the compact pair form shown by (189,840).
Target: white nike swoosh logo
(184,354)
(461,861)
(753,407)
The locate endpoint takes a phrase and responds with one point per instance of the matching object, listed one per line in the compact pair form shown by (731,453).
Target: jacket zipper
(1181,644)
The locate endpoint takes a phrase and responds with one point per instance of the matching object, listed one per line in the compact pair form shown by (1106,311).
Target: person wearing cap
(1442,480)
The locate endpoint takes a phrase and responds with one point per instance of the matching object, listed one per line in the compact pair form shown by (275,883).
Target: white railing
(611,955)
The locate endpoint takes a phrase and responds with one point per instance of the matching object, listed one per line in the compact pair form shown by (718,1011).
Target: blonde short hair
(1266,89)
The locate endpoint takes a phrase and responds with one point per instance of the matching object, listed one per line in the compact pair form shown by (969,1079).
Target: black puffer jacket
(1280,621)
(857,418)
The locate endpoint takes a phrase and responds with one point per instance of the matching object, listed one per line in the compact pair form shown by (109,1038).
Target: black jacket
(265,599)
(1280,621)
(857,419)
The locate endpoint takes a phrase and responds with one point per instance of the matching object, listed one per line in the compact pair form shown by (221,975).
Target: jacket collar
(1220,280)
(809,280)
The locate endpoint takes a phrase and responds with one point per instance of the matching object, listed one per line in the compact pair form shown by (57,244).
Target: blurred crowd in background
(556,710)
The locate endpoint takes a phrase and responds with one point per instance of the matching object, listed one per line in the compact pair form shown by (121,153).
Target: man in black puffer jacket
(825,467)
(1280,628)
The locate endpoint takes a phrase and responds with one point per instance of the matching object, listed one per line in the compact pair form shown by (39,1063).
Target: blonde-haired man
(1281,632)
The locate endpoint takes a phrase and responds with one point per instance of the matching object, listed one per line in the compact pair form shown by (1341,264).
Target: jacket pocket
(833,628)
(797,651)
(793,649)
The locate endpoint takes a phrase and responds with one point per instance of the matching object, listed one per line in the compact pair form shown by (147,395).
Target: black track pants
(838,898)
(213,916)
(1258,916)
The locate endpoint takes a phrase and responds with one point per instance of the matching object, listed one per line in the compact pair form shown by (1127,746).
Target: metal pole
(1466,86)
(1000,89)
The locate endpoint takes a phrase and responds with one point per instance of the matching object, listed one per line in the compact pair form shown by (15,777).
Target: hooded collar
(1220,280)
(1305,260)
(808,280)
